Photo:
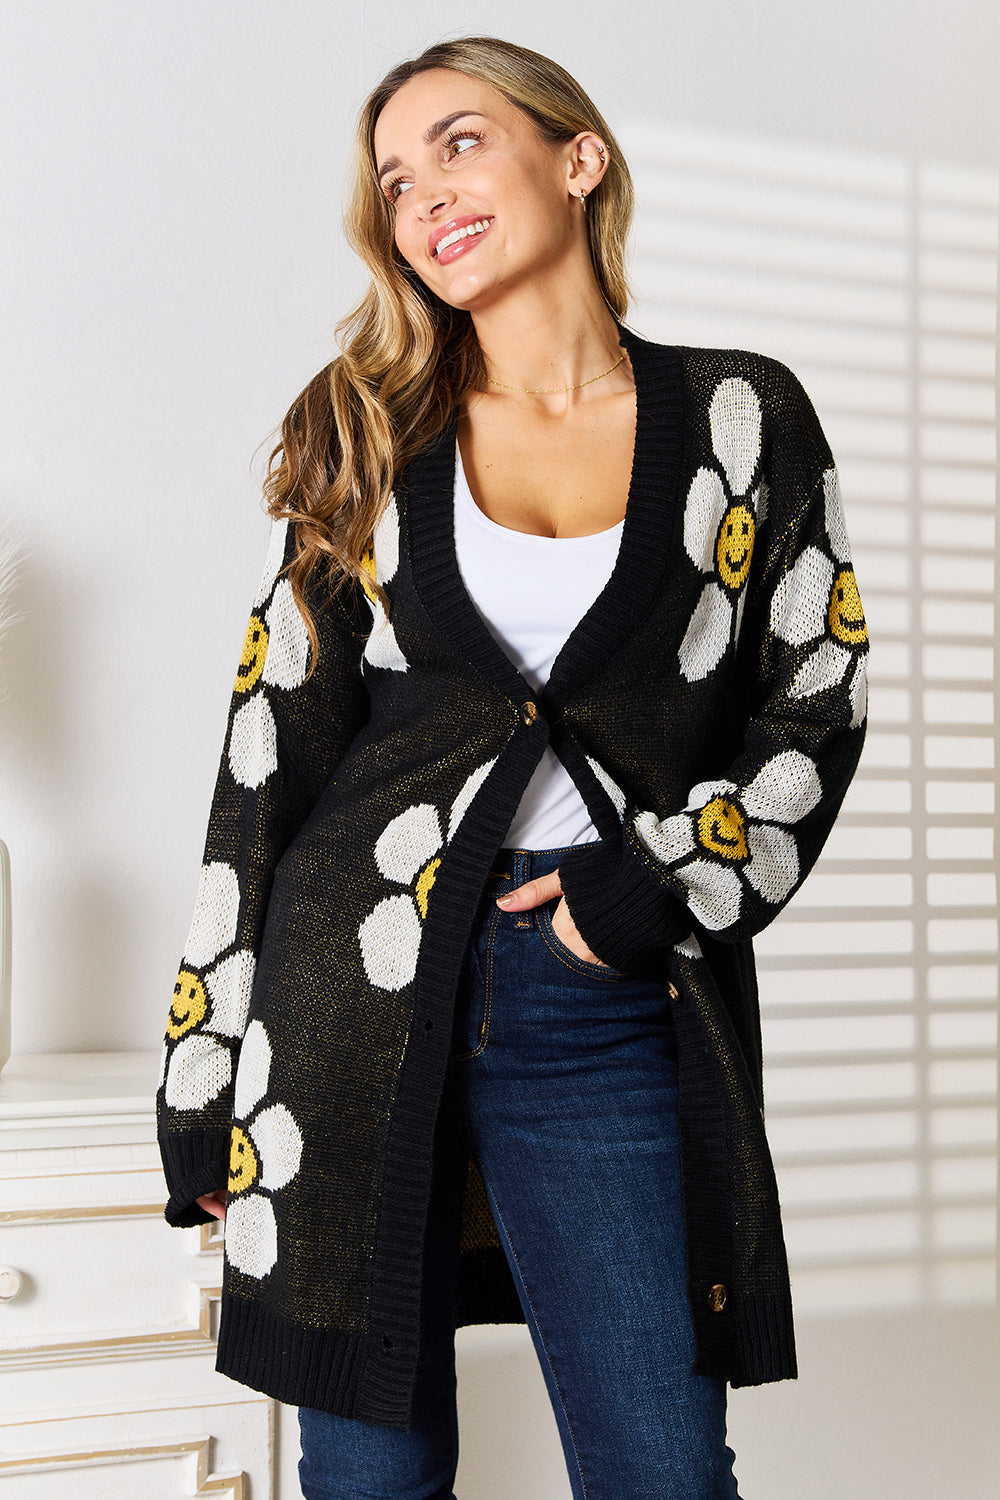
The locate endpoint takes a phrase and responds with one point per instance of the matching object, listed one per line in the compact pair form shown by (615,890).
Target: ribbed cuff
(194,1162)
(619,907)
(767,1339)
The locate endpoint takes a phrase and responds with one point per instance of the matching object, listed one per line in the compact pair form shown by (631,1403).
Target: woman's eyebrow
(431,134)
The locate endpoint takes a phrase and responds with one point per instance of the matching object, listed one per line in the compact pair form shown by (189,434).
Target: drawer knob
(10,1283)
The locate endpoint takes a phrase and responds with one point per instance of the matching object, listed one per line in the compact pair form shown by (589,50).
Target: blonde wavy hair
(407,358)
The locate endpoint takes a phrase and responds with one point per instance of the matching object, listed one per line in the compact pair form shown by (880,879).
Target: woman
(552,690)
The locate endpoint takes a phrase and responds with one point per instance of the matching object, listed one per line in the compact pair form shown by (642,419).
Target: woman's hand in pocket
(214,1203)
(535,893)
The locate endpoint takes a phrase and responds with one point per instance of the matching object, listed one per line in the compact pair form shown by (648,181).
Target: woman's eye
(455,145)
(459,141)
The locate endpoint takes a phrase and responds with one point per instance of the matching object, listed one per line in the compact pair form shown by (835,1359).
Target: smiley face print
(721,519)
(731,841)
(408,853)
(275,658)
(211,997)
(734,548)
(816,605)
(189,1005)
(845,615)
(265,1152)
(243,1163)
(722,829)
(253,656)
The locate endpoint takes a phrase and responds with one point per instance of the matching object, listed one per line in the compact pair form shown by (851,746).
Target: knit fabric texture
(710,707)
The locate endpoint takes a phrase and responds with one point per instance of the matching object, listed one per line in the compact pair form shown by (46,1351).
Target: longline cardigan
(709,706)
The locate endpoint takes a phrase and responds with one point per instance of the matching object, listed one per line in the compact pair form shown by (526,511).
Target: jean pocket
(471,1022)
(603,973)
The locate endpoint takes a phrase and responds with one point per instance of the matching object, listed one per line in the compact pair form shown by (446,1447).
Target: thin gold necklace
(562,390)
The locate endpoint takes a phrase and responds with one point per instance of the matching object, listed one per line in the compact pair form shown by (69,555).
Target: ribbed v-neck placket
(637,578)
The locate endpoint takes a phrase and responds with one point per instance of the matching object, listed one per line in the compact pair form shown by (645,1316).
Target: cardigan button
(529,712)
(717,1297)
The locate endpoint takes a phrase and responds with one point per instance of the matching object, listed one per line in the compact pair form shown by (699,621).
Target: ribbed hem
(318,1367)
(767,1339)
(620,908)
(751,1342)
(194,1162)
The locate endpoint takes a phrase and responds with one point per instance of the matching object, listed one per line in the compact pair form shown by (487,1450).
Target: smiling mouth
(457,236)
(723,838)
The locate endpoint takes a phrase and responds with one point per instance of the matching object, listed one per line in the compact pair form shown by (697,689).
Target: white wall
(173,270)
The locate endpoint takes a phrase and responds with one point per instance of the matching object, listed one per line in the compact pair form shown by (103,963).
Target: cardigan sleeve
(735,850)
(285,733)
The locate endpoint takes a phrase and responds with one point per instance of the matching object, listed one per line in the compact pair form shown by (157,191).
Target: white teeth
(462,234)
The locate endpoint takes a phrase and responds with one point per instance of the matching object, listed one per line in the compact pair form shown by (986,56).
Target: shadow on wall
(875,280)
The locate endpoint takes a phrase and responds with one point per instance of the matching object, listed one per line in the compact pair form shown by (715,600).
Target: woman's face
(481,202)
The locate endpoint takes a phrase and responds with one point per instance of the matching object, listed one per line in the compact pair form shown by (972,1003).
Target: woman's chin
(461,292)
(470,288)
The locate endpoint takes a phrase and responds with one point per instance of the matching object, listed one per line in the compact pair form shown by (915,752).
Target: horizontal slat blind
(875,279)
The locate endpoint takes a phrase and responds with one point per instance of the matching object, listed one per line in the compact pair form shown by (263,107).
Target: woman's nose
(432,198)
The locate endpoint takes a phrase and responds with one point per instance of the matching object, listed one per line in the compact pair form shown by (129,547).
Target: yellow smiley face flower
(211,997)
(189,1004)
(721,518)
(729,837)
(734,548)
(816,604)
(275,655)
(408,852)
(253,655)
(722,829)
(265,1153)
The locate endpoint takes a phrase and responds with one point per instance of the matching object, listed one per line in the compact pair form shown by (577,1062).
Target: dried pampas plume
(8,577)
(9,552)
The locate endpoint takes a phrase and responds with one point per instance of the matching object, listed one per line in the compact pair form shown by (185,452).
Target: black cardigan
(710,707)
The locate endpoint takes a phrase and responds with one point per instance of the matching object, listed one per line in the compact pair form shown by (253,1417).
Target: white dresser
(107,1315)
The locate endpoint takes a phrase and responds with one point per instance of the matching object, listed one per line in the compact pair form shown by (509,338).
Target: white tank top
(531,591)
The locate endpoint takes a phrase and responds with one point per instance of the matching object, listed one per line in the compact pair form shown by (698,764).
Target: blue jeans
(563,1079)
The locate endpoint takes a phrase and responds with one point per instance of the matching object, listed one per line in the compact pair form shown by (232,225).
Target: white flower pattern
(275,654)
(381,561)
(817,603)
(211,997)
(264,1155)
(721,518)
(408,853)
(738,836)
(611,786)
